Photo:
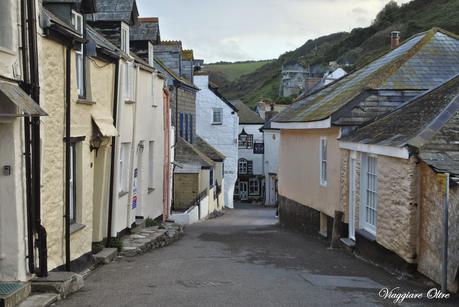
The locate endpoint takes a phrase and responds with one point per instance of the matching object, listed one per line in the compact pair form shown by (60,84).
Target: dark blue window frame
(181,124)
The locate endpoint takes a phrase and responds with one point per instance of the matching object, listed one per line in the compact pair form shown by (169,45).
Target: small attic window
(125,37)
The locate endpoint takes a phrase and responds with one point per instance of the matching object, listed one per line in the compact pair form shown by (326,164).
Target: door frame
(246,191)
(352,192)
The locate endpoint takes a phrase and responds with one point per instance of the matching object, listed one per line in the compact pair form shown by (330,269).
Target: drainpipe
(112,162)
(68,89)
(444,282)
(36,159)
(27,155)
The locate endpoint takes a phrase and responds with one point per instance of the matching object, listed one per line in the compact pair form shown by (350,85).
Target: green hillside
(358,47)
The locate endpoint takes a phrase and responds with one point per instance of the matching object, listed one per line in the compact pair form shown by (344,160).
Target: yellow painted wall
(100,91)
(299,169)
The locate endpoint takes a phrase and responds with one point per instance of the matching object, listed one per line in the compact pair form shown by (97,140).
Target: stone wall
(297,216)
(397,206)
(186,188)
(431,229)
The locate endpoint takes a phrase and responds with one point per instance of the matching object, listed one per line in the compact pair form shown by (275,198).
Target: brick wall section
(431,229)
(186,189)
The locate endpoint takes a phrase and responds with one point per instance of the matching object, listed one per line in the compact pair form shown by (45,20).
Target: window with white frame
(125,37)
(123,172)
(151,162)
(323,161)
(217,118)
(128,81)
(72,184)
(150,54)
(242,166)
(211,178)
(254,186)
(370,193)
(6,25)
(77,23)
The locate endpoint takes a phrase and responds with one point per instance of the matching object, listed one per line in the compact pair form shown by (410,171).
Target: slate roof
(246,115)
(186,153)
(208,150)
(429,122)
(115,10)
(146,29)
(102,42)
(420,63)
(166,70)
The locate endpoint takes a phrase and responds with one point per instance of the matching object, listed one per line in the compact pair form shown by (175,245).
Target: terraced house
(416,147)
(311,161)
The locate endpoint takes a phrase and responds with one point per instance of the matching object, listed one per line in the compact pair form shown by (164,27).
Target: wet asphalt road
(243,259)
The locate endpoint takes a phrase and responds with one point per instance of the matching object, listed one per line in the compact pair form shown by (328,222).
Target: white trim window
(128,81)
(217,116)
(254,186)
(151,163)
(72,184)
(6,25)
(242,166)
(369,178)
(123,172)
(125,37)
(77,23)
(151,54)
(323,161)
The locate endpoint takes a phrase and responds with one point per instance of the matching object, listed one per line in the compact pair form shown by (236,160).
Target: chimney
(394,39)
(269,115)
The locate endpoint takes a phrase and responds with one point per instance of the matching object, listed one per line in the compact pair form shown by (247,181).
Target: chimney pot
(394,39)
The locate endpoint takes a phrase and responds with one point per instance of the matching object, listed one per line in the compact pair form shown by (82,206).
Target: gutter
(27,153)
(36,160)
(68,85)
(112,161)
(444,281)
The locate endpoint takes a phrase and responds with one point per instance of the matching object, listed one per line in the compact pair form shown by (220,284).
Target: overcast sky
(235,30)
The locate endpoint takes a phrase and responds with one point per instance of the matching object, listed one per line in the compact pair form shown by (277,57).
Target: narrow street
(239,259)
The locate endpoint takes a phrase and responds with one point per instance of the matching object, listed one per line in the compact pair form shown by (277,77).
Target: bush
(149,222)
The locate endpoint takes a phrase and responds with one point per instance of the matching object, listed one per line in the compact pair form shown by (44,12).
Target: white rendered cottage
(217,123)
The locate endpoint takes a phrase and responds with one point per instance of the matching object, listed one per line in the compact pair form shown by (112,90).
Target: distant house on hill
(294,76)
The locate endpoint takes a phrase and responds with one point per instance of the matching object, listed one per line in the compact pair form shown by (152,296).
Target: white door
(138,176)
(352,198)
(243,190)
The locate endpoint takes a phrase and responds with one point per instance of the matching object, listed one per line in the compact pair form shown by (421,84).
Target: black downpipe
(27,156)
(67,153)
(112,162)
(36,159)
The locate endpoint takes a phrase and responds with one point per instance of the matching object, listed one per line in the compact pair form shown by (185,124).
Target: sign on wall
(258,148)
(134,189)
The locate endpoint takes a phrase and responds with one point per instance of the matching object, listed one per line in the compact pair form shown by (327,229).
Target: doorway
(243,190)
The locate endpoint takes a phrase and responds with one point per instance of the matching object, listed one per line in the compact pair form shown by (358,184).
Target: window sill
(366,234)
(8,50)
(323,184)
(128,101)
(217,124)
(75,227)
(85,101)
(121,194)
(154,105)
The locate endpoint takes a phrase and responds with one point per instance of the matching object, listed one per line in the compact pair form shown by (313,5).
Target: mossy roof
(246,114)
(421,63)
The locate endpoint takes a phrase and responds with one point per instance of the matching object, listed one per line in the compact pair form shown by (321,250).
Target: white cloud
(255,29)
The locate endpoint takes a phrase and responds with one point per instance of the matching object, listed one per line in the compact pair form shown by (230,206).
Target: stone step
(40,300)
(106,255)
(150,238)
(12,293)
(61,283)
